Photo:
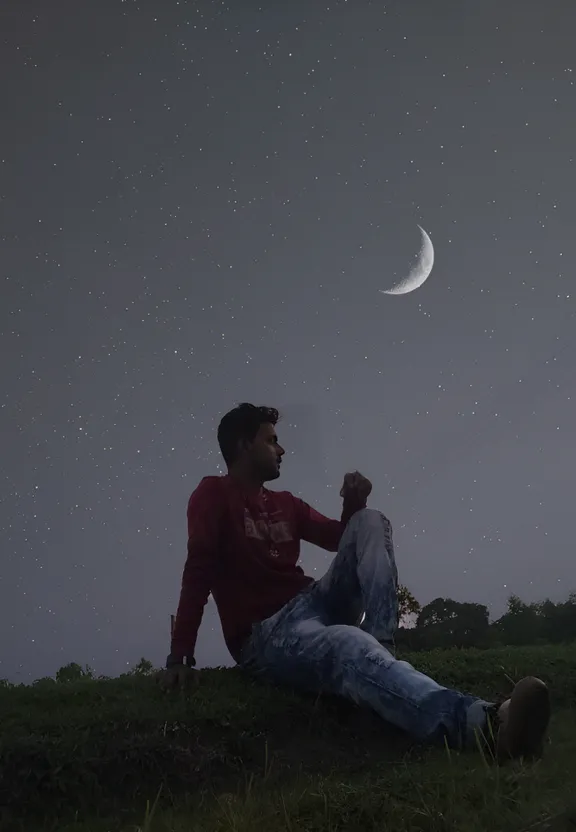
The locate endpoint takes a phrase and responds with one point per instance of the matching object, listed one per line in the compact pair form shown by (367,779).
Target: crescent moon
(419,272)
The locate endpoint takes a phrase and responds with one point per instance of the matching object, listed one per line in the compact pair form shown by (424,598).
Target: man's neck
(245,480)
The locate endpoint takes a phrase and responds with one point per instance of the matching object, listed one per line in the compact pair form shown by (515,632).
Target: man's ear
(243,445)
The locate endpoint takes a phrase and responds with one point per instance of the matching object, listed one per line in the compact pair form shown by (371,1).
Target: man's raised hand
(356,488)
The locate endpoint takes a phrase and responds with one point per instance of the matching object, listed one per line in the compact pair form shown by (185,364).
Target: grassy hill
(233,754)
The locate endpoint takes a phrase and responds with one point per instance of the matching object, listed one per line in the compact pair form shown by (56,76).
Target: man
(329,635)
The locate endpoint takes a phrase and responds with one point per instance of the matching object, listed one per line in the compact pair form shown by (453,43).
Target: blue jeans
(332,638)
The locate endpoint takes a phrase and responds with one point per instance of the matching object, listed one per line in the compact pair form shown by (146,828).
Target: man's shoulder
(207,488)
(212,481)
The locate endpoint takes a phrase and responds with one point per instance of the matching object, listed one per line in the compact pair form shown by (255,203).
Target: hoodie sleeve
(315,528)
(205,512)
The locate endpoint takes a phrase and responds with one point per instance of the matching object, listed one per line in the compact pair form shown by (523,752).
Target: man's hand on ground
(177,677)
(356,488)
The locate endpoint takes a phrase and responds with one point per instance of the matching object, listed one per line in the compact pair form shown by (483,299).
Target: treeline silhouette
(441,624)
(73,672)
(447,623)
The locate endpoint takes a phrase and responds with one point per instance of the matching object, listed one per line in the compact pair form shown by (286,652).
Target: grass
(234,755)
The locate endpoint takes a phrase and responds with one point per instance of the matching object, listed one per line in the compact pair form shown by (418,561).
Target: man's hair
(242,424)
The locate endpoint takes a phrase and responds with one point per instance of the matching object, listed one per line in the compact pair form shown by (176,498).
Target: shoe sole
(527,722)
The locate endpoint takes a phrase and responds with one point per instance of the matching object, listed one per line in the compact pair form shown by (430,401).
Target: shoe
(518,726)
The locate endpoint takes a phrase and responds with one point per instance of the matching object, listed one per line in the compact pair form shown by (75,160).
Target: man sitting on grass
(331,635)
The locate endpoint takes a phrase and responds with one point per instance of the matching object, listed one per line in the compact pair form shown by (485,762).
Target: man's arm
(320,530)
(204,530)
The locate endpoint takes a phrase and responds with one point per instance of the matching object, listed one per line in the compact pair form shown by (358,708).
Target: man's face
(265,453)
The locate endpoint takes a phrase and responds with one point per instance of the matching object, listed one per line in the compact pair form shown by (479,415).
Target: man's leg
(302,645)
(296,647)
(363,579)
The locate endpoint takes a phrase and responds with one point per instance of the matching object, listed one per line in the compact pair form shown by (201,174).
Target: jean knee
(351,639)
(372,517)
(358,652)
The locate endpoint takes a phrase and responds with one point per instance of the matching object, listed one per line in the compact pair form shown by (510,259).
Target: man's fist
(356,488)
(179,676)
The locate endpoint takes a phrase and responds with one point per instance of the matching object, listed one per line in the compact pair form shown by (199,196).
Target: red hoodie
(243,546)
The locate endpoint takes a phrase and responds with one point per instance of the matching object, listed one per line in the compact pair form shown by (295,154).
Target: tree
(448,623)
(44,682)
(143,668)
(543,621)
(407,603)
(565,622)
(520,624)
(73,672)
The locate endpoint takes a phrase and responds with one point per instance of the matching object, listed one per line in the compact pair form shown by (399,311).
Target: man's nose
(281,451)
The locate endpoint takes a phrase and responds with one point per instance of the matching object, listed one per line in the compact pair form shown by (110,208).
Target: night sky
(199,205)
